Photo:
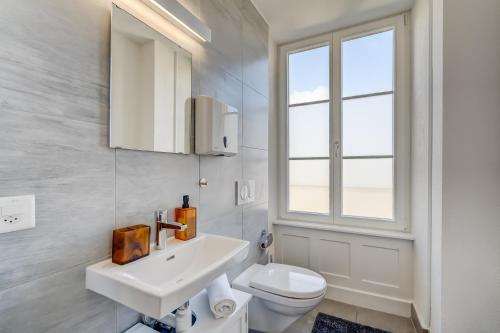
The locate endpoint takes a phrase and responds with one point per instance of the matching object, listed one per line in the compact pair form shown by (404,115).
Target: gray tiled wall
(54,91)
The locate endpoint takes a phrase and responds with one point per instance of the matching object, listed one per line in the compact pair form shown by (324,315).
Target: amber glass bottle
(186,215)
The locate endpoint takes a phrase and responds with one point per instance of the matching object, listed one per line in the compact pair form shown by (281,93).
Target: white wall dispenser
(216,127)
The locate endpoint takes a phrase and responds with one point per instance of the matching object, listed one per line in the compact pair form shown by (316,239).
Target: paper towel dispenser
(216,127)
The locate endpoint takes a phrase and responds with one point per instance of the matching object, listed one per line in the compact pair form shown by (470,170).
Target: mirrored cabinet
(151,105)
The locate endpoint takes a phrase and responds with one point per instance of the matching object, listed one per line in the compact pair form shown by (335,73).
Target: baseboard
(416,321)
(387,304)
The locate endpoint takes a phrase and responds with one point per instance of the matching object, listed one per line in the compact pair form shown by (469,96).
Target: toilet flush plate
(245,191)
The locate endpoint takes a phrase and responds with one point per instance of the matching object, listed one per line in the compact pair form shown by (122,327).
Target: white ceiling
(295,19)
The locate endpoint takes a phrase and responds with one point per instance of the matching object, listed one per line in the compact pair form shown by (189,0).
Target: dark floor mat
(330,324)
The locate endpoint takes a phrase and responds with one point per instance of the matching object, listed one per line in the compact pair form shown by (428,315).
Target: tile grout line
(114,215)
(242,170)
(114,209)
(255,148)
(116,317)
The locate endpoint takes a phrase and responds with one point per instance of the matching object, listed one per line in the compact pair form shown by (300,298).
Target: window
(345,127)
(309,130)
(367,125)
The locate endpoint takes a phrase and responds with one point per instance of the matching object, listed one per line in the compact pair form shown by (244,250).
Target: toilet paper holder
(266,239)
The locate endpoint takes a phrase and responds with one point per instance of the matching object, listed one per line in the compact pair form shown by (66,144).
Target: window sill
(346,229)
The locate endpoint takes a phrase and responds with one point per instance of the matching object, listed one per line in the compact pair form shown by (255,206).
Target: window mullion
(309,103)
(381,93)
(308,158)
(360,157)
(335,126)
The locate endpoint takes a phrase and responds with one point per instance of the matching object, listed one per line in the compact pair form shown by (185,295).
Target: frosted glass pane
(367,126)
(367,188)
(308,128)
(309,186)
(367,64)
(308,75)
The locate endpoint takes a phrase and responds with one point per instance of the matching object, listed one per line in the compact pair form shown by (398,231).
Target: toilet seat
(243,281)
(289,281)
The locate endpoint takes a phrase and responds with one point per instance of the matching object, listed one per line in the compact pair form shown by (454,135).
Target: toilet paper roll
(266,239)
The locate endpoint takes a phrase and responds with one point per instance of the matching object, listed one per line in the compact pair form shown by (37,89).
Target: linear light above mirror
(181,17)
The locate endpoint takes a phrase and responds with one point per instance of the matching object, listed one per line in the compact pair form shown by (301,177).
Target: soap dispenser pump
(186,215)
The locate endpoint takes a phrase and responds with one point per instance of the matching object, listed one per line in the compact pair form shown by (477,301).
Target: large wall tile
(69,168)
(219,197)
(147,181)
(255,219)
(26,88)
(255,166)
(230,225)
(255,56)
(215,82)
(219,84)
(224,17)
(56,62)
(125,317)
(70,38)
(255,119)
(56,303)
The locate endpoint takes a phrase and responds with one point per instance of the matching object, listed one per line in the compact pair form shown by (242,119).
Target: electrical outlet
(17,213)
(12,219)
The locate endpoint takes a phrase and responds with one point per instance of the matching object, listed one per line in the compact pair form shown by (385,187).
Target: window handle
(337,149)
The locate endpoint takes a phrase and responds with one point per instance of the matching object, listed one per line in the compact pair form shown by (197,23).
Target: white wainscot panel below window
(295,250)
(363,270)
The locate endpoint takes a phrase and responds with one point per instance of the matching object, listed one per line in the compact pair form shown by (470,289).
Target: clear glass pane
(367,64)
(308,75)
(367,188)
(367,126)
(308,128)
(309,186)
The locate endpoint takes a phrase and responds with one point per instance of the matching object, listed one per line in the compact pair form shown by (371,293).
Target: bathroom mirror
(150,88)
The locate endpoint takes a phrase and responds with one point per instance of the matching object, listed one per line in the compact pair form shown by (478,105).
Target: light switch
(17,213)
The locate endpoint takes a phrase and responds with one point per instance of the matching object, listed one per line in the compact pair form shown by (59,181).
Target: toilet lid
(289,281)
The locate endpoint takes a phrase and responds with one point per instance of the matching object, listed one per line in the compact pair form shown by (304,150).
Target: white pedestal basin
(164,280)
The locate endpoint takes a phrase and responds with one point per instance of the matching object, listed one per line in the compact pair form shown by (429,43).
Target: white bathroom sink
(161,282)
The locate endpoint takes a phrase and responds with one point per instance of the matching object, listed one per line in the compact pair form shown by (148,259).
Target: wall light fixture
(181,17)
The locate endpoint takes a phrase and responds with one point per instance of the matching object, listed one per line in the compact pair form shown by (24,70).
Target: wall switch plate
(17,213)
(245,191)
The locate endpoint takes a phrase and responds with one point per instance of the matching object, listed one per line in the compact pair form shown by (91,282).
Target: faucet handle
(161,215)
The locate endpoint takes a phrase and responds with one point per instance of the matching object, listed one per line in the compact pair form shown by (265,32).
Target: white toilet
(281,294)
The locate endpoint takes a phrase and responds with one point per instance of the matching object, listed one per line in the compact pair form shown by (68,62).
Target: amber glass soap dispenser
(186,215)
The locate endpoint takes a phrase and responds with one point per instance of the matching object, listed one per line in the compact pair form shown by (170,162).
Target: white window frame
(401,118)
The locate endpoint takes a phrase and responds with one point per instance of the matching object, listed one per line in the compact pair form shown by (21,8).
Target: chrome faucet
(161,218)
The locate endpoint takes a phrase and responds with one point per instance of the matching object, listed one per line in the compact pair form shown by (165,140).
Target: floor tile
(384,321)
(376,319)
(337,309)
(306,323)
